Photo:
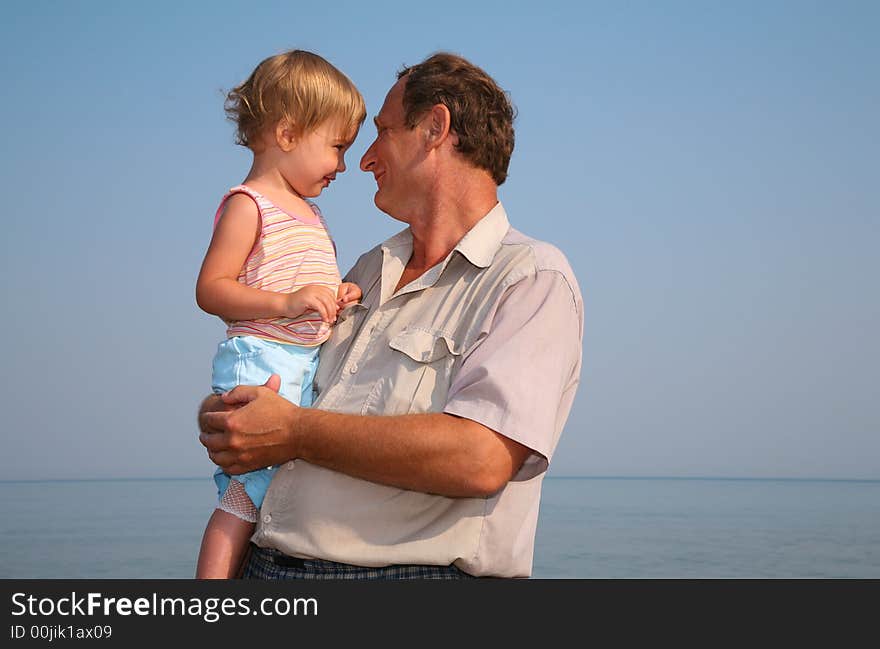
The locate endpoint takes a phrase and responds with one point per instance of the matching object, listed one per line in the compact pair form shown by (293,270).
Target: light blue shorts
(247,360)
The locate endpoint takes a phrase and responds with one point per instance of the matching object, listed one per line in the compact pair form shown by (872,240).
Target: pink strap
(240,189)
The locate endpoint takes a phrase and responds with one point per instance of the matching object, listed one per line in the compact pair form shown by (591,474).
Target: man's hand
(248,428)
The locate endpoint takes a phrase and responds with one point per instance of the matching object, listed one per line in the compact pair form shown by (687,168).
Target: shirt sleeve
(520,378)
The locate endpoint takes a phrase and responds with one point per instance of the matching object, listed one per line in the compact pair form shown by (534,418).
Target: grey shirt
(493,334)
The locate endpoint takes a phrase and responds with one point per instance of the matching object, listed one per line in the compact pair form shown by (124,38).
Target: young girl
(270,271)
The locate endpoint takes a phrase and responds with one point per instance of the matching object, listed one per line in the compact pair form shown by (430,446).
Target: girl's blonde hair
(298,86)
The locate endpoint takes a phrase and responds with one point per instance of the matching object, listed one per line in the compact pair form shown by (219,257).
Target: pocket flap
(424,346)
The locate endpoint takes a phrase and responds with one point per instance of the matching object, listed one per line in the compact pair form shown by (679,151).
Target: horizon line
(548,477)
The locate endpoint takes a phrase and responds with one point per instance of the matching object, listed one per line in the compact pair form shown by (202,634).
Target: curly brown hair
(481,112)
(299,86)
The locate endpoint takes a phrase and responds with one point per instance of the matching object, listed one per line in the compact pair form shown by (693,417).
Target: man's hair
(481,112)
(299,86)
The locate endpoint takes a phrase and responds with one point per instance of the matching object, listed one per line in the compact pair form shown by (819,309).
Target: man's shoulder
(369,263)
(544,255)
(527,256)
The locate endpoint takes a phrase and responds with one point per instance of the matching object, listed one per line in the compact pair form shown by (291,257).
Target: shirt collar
(478,245)
(482,241)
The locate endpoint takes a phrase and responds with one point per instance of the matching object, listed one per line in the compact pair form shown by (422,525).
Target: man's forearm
(434,453)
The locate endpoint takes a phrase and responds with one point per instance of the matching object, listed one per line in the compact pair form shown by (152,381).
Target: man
(442,396)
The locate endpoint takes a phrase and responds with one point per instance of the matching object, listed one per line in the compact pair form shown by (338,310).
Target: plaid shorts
(268,563)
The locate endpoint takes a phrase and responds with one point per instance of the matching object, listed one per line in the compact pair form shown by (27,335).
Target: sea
(589,528)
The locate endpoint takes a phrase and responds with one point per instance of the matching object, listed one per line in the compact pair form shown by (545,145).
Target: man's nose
(369,158)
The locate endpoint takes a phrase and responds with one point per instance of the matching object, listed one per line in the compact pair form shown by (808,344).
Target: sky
(710,169)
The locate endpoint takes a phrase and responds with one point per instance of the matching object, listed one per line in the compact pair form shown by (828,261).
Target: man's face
(394,158)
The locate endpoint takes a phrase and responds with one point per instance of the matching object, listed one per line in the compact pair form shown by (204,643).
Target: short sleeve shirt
(492,333)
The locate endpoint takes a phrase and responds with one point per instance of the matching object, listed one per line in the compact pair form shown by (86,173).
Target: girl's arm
(218,290)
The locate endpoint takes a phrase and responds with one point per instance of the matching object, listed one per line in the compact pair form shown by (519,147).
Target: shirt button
(267,518)
(353,368)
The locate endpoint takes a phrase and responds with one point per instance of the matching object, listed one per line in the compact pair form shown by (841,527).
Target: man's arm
(457,453)
(432,453)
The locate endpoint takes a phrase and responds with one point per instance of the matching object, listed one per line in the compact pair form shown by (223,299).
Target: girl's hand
(347,294)
(313,297)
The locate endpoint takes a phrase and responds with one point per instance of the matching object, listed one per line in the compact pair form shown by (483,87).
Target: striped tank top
(290,252)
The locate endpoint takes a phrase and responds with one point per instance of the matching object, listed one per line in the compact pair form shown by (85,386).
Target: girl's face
(315,158)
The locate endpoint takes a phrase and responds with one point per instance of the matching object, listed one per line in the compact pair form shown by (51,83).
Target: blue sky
(710,169)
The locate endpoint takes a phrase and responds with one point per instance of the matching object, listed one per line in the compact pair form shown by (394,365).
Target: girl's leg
(224,546)
(248,361)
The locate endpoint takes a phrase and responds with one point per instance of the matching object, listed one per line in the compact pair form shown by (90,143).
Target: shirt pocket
(419,373)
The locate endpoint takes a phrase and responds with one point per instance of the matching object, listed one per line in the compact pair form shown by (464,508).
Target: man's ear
(285,137)
(439,123)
